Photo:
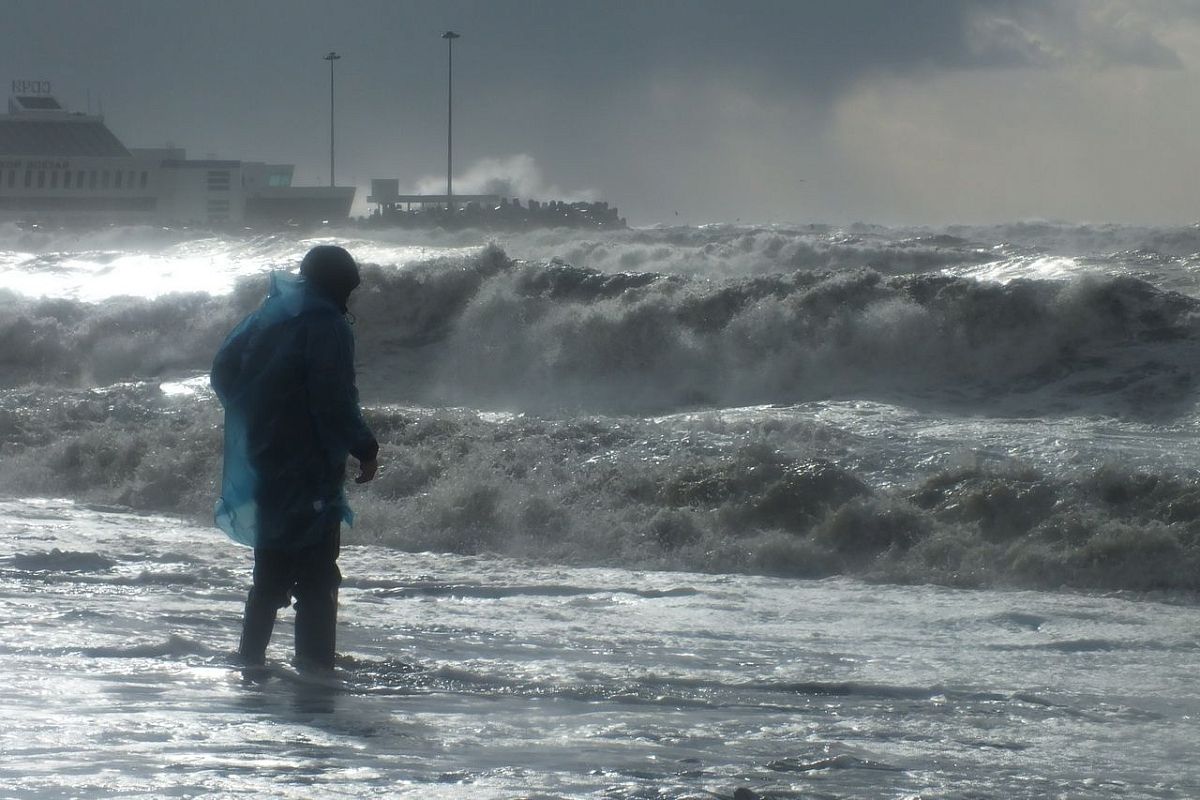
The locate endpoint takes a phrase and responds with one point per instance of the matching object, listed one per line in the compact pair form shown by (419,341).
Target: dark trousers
(311,576)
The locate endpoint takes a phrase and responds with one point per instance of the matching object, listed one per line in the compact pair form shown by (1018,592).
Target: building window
(79,178)
(53,179)
(145,178)
(218,180)
(219,206)
(12,178)
(117,179)
(92,179)
(28,178)
(67,179)
(41,179)
(104,178)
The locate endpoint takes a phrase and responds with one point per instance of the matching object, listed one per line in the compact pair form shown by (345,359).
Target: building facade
(64,167)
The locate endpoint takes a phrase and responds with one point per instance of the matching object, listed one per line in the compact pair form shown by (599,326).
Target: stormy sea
(725,511)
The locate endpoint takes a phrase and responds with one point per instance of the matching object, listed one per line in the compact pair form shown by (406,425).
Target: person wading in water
(285,377)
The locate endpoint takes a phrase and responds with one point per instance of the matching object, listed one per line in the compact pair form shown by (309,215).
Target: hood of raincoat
(333,270)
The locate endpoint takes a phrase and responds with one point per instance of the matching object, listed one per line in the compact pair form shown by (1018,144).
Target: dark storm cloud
(807,48)
(819,48)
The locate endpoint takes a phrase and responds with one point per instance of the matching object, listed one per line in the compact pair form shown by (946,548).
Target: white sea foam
(149,261)
(494,678)
(808,490)
(146,262)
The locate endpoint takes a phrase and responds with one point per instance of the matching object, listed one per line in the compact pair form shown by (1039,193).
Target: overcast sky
(926,111)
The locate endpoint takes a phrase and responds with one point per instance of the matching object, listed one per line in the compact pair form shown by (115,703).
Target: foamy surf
(491,677)
(662,513)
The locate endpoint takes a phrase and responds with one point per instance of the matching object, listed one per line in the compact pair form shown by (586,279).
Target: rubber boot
(316,628)
(257,625)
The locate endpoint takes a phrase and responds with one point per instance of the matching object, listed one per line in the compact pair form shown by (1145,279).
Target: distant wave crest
(489,332)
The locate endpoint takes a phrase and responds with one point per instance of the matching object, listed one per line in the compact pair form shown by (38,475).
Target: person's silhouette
(285,377)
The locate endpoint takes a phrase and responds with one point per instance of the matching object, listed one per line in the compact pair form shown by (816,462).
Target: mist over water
(976,406)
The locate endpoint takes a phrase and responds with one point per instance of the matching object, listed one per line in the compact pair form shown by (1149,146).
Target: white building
(62,167)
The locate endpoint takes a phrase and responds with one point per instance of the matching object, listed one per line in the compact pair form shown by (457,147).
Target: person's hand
(367,470)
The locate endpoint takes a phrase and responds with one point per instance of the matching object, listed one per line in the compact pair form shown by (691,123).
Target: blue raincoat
(285,376)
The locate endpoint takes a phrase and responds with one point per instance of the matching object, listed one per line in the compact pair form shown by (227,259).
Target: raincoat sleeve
(332,393)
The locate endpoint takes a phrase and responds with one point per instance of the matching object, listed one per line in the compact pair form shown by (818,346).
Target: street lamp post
(332,57)
(449,36)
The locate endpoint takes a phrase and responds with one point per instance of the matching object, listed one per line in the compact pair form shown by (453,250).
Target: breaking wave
(486,331)
(759,493)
